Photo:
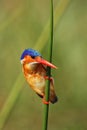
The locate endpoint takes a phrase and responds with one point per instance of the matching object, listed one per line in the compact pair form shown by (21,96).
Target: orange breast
(35,77)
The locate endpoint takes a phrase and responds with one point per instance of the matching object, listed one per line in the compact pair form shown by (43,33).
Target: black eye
(33,57)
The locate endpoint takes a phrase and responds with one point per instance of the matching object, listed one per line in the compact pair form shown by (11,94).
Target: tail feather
(53,99)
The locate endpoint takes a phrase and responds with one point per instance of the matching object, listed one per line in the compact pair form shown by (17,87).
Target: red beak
(44,62)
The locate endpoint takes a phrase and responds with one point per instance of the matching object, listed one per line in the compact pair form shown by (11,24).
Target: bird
(34,67)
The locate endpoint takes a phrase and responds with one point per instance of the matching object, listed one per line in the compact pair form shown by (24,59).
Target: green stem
(47,90)
(51,31)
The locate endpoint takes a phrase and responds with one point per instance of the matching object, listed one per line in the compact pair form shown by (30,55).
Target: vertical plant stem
(47,90)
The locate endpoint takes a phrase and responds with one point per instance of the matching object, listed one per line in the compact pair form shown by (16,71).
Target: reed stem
(47,90)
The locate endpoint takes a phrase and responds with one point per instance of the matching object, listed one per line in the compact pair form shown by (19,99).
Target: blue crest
(30,52)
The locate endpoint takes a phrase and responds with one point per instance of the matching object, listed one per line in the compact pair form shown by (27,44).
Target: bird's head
(33,56)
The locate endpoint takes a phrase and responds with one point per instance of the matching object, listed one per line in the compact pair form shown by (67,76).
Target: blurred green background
(21,25)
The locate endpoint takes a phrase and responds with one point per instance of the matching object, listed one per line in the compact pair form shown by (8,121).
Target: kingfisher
(35,72)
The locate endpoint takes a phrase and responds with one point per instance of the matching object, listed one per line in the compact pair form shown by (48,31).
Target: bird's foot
(48,78)
(45,102)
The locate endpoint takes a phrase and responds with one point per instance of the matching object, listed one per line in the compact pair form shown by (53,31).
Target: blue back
(30,52)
